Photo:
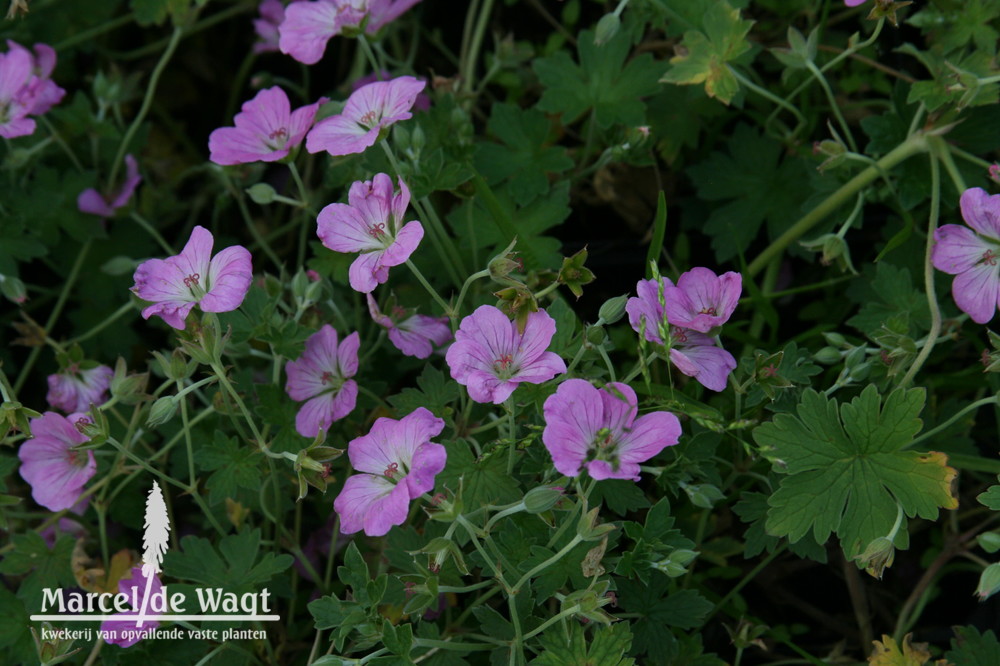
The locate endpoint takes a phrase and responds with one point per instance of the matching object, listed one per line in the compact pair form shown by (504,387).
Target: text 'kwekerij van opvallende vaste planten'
(500,333)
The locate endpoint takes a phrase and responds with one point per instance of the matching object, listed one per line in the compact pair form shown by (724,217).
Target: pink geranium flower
(701,300)
(55,472)
(372,224)
(413,335)
(421,103)
(598,430)
(272,14)
(125,631)
(43,91)
(692,352)
(74,390)
(93,202)
(322,377)
(175,284)
(854,3)
(308,26)
(16,97)
(490,357)
(368,111)
(266,130)
(971,255)
(399,463)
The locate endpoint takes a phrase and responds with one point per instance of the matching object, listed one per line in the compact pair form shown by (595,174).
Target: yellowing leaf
(888,653)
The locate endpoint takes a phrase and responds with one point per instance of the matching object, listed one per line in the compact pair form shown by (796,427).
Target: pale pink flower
(44,93)
(175,284)
(322,377)
(413,335)
(692,352)
(972,255)
(55,472)
(74,390)
(369,110)
(598,430)
(399,464)
(491,357)
(266,130)
(93,202)
(308,26)
(701,300)
(372,224)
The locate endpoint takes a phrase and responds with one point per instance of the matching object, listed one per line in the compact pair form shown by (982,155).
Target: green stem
(89,34)
(992,400)
(427,285)
(511,433)
(577,539)
(913,145)
(932,303)
(148,228)
(767,94)
(944,154)
(147,102)
(832,100)
(747,578)
(107,321)
(552,620)
(469,64)
(465,287)
(452,645)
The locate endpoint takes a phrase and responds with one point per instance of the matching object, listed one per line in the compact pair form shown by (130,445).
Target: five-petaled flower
(93,202)
(175,284)
(124,630)
(322,377)
(308,26)
(55,472)
(692,352)
(266,130)
(597,429)
(74,390)
(399,462)
(369,110)
(413,335)
(971,255)
(490,357)
(372,224)
(702,300)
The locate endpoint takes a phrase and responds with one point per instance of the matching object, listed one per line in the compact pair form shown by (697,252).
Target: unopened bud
(542,498)
(261,193)
(989,582)
(13,289)
(877,557)
(162,411)
(607,28)
(613,309)
(827,356)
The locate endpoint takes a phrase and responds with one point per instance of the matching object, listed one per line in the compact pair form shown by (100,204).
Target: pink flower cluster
(686,316)
(25,87)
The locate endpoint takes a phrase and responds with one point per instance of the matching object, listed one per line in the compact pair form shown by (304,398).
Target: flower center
(82,423)
(73,458)
(679,335)
(277,138)
(504,366)
(989,258)
(604,447)
(377,230)
(369,119)
(708,311)
(398,311)
(392,470)
(192,280)
(327,378)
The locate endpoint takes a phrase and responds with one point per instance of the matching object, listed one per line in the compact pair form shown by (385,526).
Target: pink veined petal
(411,344)
(195,258)
(340,135)
(322,410)
(486,387)
(392,100)
(466,356)
(649,434)
(307,27)
(229,276)
(371,503)
(573,415)
(56,479)
(708,364)
(382,447)
(345,400)
(491,329)
(17,127)
(435,329)
(302,120)
(383,320)
(620,406)
(132,180)
(90,201)
(428,461)
(269,110)
(15,72)
(975,291)
(322,349)
(538,332)
(602,469)
(342,228)
(404,245)
(174,313)
(367,272)
(235,145)
(387,13)
(399,204)
(541,369)
(157,280)
(347,355)
(981,211)
(958,249)
(647,307)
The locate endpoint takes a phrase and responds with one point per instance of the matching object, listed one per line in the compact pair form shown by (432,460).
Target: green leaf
(758,184)
(45,567)
(685,609)
(235,467)
(482,483)
(847,470)
(963,24)
(991,498)
(607,648)
(15,639)
(493,624)
(435,393)
(154,12)
(523,158)
(707,52)
(602,81)
(237,569)
(399,639)
(620,496)
(970,648)
(888,293)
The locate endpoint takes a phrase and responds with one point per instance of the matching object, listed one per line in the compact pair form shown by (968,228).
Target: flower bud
(128,389)
(13,289)
(119,266)
(613,309)
(607,28)
(835,339)
(542,498)
(261,193)
(401,138)
(703,495)
(877,557)
(162,411)
(827,356)
(596,335)
(989,582)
